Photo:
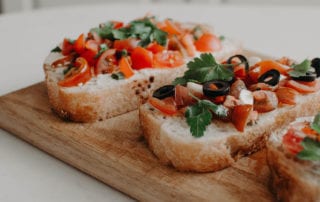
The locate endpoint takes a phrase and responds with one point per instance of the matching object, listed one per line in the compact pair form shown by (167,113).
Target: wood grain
(114,152)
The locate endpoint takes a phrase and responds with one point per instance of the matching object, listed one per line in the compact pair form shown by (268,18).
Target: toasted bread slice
(103,97)
(292,179)
(170,139)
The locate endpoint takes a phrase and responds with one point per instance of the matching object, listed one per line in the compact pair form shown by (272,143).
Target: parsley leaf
(300,69)
(199,116)
(56,49)
(204,69)
(105,31)
(316,123)
(142,29)
(311,150)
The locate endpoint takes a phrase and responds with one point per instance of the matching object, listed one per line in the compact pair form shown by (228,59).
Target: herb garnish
(311,147)
(56,49)
(311,150)
(103,47)
(199,115)
(222,38)
(117,76)
(205,69)
(142,29)
(300,69)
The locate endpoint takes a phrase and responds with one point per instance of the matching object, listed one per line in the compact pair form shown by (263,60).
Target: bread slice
(170,139)
(292,179)
(103,97)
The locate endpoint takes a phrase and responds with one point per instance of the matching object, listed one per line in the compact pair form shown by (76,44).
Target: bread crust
(106,102)
(292,179)
(208,153)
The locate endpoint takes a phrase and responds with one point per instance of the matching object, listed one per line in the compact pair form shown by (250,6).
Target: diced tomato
(166,105)
(125,67)
(63,61)
(219,99)
(286,95)
(155,47)
(170,27)
(292,142)
(168,59)
(240,72)
(79,44)
(187,42)
(67,47)
(80,74)
(301,88)
(117,24)
(208,43)
(141,58)
(90,52)
(106,62)
(240,116)
(127,44)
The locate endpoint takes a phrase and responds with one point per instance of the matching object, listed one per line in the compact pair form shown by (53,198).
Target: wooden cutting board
(114,152)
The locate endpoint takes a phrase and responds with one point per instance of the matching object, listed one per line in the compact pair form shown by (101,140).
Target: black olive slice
(164,91)
(223,88)
(310,76)
(315,63)
(242,59)
(270,77)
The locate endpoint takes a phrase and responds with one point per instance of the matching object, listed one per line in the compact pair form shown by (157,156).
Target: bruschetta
(293,155)
(218,112)
(114,67)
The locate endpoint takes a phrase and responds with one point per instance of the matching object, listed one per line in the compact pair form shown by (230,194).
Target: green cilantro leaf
(142,29)
(300,69)
(119,33)
(316,123)
(56,49)
(311,150)
(204,69)
(199,116)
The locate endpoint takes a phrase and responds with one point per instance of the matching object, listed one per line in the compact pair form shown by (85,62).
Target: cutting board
(114,152)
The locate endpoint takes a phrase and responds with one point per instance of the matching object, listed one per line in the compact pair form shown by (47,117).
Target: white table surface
(28,174)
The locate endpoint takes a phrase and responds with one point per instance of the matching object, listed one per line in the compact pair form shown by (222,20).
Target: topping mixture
(235,91)
(303,139)
(119,49)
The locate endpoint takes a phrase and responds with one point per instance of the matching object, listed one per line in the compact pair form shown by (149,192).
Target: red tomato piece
(79,44)
(240,116)
(127,44)
(125,67)
(80,74)
(292,142)
(208,43)
(166,106)
(287,95)
(106,62)
(168,59)
(67,47)
(141,58)
(155,47)
(301,88)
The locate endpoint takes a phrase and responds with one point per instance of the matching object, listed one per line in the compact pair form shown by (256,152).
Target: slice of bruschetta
(114,67)
(293,156)
(219,112)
